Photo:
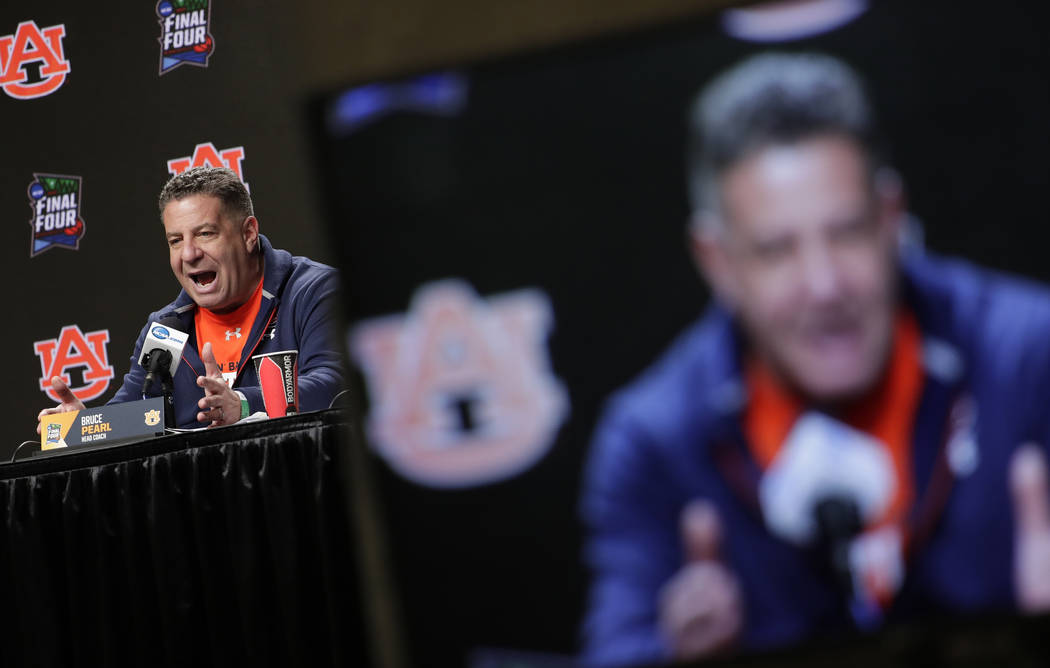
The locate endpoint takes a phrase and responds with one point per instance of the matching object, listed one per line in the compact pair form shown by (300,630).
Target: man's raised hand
(220,404)
(1031,499)
(701,607)
(69,401)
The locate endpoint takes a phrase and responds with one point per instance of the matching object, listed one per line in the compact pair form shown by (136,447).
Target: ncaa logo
(56,221)
(32,63)
(462,390)
(54,434)
(185,33)
(71,350)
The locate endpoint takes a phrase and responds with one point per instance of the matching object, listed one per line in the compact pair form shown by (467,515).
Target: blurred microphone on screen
(828,484)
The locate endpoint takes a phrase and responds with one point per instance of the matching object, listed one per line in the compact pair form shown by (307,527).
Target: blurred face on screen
(805,256)
(211,252)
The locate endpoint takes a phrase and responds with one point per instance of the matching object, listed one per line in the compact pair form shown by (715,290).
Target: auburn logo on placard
(32,62)
(206,155)
(185,34)
(74,349)
(462,390)
(152,418)
(55,202)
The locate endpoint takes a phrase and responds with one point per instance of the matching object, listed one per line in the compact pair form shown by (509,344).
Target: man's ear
(707,245)
(250,230)
(890,200)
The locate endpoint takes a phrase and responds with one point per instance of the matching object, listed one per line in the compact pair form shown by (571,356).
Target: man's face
(806,258)
(210,253)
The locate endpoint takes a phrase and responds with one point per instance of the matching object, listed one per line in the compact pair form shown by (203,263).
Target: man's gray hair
(214,181)
(771,99)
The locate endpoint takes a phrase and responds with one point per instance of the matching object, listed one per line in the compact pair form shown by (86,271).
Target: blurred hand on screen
(701,607)
(69,401)
(1031,499)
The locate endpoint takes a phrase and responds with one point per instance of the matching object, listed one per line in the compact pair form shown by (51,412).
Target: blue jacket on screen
(298,312)
(675,435)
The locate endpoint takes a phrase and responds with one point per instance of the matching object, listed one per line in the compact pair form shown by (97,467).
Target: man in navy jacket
(220,259)
(837,375)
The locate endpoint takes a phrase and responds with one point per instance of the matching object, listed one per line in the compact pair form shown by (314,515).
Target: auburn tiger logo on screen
(76,350)
(32,62)
(207,155)
(185,33)
(461,387)
(56,220)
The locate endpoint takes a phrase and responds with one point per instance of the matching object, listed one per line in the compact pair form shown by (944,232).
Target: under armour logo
(236,332)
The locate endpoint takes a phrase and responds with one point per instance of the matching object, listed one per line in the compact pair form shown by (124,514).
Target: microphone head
(824,459)
(162,336)
(838,518)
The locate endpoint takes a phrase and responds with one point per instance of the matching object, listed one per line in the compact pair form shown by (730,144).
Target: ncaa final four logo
(185,38)
(56,221)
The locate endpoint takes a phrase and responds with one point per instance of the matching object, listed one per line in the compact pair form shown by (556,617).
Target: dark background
(565,172)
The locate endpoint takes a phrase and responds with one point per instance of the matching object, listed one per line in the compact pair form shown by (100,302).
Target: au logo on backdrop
(76,349)
(207,155)
(32,62)
(55,201)
(462,390)
(185,33)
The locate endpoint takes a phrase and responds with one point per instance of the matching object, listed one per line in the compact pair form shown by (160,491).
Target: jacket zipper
(262,334)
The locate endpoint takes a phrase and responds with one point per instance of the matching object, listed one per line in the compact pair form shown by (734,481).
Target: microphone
(838,523)
(155,360)
(821,459)
(826,484)
(164,343)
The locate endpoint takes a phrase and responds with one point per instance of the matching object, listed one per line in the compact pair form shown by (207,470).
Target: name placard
(104,425)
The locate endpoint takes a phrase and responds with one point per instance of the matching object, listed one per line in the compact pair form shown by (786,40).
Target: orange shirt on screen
(886,413)
(228,333)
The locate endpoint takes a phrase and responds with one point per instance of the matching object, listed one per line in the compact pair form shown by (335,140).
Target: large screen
(513,239)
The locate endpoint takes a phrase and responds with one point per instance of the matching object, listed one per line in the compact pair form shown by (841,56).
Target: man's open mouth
(203,278)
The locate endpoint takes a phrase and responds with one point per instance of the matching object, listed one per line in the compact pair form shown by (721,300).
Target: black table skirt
(219,548)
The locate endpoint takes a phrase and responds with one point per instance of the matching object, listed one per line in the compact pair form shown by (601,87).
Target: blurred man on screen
(845,436)
(240,297)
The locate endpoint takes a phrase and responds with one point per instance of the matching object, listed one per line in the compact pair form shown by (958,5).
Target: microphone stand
(167,386)
(838,522)
(156,362)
